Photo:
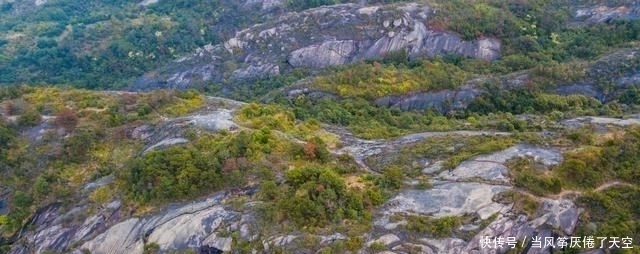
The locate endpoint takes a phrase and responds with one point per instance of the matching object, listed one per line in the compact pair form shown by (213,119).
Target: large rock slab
(316,38)
(183,227)
(449,199)
(491,167)
(326,54)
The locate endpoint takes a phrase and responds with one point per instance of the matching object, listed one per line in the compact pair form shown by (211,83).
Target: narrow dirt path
(361,149)
(564,193)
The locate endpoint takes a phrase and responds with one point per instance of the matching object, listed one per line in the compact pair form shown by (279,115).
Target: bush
(578,173)
(392,178)
(3,220)
(29,118)
(317,197)
(80,143)
(66,119)
(536,184)
(151,248)
(354,243)
(614,211)
(435,227)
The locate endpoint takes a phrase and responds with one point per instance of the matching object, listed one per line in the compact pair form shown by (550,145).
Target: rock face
(603,13)
(112,229)
(317,38)
(469,190)
(449,199)
(441,101)
(53,232)
(491,167)
(581,121)
(619,70)
(326,54)
(189,226)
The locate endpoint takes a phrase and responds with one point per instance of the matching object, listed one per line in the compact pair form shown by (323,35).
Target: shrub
(436,227)
(66,119)
(392,178)
(536,184)
(29,118)
(354,243)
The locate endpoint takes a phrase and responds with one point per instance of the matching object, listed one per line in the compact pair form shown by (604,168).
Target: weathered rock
(331,238)
(321,37)
(560,214)
(326,54)
(385,240)
(220,243)
(265,4)
(215,121)
(279,241)
(449,199)
(256,71)
(441,101)
(49,233)
(447,245)
(188,226)
(124,237)
(580,121)
(553,214)
(582,89)
(491,167)
(433,168)
(603,13)
(166,143)
(413,248)
(141,132)
(99,183)
(190,229)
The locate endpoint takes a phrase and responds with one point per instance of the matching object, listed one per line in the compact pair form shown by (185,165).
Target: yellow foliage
(371,81)
(101,195)
(183,106)
(77,175)
(102,153)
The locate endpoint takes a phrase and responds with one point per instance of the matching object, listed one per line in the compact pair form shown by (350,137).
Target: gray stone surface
(214,121)
(449,199)
(188,226)
(166,143)
(278,241)
(332,238)
(413,248)
(221,243)
(99,183)
(326,54)
(386,240)
(491,167)
(316,38)
(560,214)
(580,121)
(603,13)
(265,4)
(446,245)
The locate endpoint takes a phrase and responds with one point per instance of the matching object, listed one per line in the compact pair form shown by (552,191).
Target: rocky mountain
(316,39)
(478,193)
(324,126)
(339,35)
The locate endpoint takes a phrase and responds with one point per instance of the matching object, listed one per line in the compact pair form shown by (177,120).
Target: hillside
(269,126)
(108,172)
